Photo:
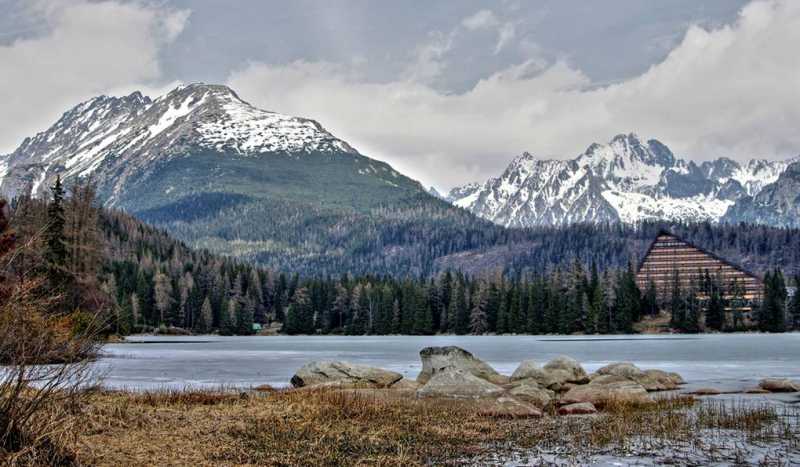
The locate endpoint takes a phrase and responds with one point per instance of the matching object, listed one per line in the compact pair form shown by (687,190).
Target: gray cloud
(731,90)
(81,49)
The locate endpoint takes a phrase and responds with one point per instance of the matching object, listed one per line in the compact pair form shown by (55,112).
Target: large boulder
(455,383)
(779,385)
(575,374)
(343,374)
(527,369)
(557,375)
(506,407)
(405,385)
(651,380)
(436,359)
(604,389)
(532,394)
(668,378)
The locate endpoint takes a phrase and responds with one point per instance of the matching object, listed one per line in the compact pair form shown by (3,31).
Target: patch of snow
(173,113)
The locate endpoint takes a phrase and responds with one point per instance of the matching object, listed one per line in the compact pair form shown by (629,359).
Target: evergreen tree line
(99,258)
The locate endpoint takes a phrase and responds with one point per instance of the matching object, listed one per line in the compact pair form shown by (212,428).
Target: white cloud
(483,19)
(88,48)
(487,20)
(731,91)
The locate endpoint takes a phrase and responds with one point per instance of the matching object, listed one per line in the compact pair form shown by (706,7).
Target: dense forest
(145,280)
(422,236)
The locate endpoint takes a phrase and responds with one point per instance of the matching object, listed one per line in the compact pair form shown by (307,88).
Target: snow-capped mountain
(626,180)
(777,203)
(221,174)
(119,136)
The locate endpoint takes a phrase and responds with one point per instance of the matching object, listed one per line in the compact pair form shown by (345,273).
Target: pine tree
(244,317)
(772,315)
(715,311)
(206,318)
(677,308)
(299,313)
(360,306)
(460,308)
(162,295)
(794,306)
(478,319)
(650,299)
(737,303)
(56,246)
(692,321)
(423,319)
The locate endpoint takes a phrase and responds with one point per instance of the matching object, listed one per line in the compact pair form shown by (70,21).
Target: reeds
(379,427)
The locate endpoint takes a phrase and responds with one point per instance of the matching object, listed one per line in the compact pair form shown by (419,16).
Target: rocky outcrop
(557,375)
(604,389)
(779,385)
(343,374)
(651,380)
(437,359)
(581,408)
(456,383)
(453,373)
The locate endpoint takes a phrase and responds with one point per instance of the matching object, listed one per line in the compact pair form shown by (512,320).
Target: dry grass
(377,428)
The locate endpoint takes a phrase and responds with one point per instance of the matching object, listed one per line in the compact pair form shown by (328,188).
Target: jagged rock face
(625,180)
(776,204)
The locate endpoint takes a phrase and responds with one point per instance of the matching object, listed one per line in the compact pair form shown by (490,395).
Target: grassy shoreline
(381,427)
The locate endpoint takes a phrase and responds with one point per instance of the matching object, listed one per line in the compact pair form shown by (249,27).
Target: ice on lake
(725,361)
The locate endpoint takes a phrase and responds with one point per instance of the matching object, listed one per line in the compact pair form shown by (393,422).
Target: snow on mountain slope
(626,180)
(106,133)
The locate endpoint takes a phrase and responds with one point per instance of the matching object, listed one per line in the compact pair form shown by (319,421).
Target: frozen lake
(727,361)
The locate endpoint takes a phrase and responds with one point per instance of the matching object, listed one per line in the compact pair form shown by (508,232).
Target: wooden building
(668,253)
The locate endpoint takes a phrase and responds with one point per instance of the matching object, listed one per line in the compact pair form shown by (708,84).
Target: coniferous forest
(144,281)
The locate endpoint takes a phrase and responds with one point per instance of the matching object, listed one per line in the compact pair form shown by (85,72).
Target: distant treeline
(99,258)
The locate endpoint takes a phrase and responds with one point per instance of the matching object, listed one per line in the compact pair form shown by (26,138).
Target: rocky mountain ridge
(626,180)
(114,137)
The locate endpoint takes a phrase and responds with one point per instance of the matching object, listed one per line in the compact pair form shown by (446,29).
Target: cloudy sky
(446,91)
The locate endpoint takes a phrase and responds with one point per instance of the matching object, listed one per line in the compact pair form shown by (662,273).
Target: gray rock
(507,407)
(779,385)
(557,375)
(605,389)
(667,378)
(652,380)
(343,374)
(533,394)
(405,384)
(454,383)
(573,371)
(581,408)
(436,359)
(526,369)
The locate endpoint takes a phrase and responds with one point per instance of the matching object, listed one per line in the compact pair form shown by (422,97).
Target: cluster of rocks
(454,373)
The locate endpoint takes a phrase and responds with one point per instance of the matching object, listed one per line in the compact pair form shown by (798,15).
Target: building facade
(670,257)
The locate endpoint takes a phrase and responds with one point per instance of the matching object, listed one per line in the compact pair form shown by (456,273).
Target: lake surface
(729,361)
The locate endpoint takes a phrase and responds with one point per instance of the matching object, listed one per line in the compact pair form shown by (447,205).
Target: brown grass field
(307,427)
